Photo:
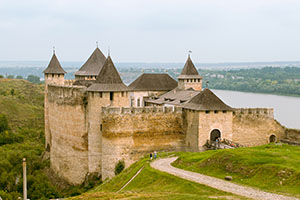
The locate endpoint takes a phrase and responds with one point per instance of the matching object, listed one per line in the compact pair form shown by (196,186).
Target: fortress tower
(53,74)
(189,77)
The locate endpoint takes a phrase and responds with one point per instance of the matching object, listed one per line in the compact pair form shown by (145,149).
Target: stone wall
(252,127)
(95,102)
(211,120)
(292,134)
(68,132)
(191,126)
(130,133)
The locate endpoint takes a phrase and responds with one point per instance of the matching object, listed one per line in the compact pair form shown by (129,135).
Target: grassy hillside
(274,168)
(152,184)
(22,102)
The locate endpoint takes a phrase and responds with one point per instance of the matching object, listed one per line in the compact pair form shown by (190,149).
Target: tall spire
(96,44)
(53,50)
(189,67)
(108,51)
(93,65)
(54,66)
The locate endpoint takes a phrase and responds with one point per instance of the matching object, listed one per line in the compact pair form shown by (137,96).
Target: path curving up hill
(165,166)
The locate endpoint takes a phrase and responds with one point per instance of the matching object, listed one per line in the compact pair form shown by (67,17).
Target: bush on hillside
(19,77)
(3,123)
(11,76)
(33,79)
(119,167)
(1,76)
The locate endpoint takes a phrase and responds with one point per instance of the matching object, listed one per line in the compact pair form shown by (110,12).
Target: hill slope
(22,102)
(273,168)
(152,184)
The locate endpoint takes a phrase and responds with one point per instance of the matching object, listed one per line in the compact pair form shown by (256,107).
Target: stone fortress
(94,121)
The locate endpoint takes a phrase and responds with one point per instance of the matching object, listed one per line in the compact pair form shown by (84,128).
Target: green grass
(25,107)
(273,168)
(152,184)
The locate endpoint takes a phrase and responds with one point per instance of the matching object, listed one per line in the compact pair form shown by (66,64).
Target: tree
(10,76)
(3,123)
(33,79)
(19,77)
(12,92)
(1,76)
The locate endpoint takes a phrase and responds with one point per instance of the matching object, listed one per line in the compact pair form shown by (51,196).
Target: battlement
(69,82)
(256,112)
(138,110)
(63,94)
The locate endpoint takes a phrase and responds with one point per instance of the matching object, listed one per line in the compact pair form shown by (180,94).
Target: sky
(151,30)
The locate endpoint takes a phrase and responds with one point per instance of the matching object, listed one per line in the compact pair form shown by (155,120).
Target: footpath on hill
(165,166)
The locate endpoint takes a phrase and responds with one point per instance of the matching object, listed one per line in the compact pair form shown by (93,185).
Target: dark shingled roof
(189,68)
(206,100)
(93,65)
(54,66)
(85,83)
(108,79)
(153,82)
(175,97)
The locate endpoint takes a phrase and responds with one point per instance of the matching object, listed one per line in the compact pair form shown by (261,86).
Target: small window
(187,80)
(207,112)
(58,75)
(216,111)
(111,96)
(199,80)
(224,111)
(100,94)
(195,80)
(138,102)
(100,127)
(52,75)
(122,94)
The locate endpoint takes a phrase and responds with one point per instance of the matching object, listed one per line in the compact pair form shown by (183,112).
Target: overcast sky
(151,30)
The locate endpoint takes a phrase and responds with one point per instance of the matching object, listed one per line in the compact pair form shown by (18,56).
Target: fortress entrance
(272,138)
(215,134)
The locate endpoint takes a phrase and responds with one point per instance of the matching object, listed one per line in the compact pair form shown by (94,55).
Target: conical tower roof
(54,66)
(189,70)
(108,79)
(206,100)
(93,65)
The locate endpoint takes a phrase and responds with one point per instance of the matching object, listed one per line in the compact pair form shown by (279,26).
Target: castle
(96,120)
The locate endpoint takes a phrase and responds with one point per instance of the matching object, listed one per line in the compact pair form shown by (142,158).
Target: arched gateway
(214,134)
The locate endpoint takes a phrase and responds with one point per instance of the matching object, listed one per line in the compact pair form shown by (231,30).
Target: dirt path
(165,166)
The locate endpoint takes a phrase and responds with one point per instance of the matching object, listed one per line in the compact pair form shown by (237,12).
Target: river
(286,109)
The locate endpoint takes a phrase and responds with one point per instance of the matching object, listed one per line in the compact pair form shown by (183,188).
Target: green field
(152,184)
(273,168)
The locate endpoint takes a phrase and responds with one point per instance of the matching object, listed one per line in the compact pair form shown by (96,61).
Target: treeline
(30,78)
(273,80)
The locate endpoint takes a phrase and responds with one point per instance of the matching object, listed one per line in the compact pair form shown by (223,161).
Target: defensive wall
(90,133)
(255,126)
(68,132)
(130,133)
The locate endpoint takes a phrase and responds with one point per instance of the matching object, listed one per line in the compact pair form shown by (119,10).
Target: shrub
(1,76)
(10,76)
(119,167)
(3,123)
(19,77)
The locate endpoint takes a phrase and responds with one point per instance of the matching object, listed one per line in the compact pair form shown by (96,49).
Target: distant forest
(272,80)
